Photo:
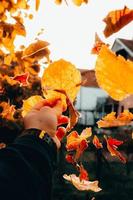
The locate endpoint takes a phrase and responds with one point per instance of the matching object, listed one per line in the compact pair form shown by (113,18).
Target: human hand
(43,117)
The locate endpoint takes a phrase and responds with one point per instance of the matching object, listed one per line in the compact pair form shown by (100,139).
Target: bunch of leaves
(18,69)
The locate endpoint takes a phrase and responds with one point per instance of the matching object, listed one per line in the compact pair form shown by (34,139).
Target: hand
(44,118)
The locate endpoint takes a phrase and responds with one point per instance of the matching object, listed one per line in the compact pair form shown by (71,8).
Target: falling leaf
(60,133)
(82,185)
(114,74)
(2,145)
(73,113)
(112,145)
(98,44)
(61,75)
(115,20)
(70,159)
(79,2)
(37,50)
(83,145)
(97,143)
(37,4)
(111,120)
(74,139)
(58,1)
(8,34)
(83,173)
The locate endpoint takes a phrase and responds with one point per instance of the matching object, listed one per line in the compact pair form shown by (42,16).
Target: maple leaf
(112,145)
(74,139)
(83,185)
(97,143)
(115,20)
(110,120)
(110,74)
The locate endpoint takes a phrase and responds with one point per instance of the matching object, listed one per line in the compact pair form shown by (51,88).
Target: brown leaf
(38,49)
(117,19)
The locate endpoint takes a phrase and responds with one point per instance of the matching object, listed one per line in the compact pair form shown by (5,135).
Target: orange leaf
(79,2)
(80,149)
(58,1)
(115,20)
(110,74)
(2,145)
(112,145)
(83,174)
(74,139)
(82,185)
(97,143)
(37,4)
(61,75)
(29,103)
(98,44)
(7,111)
(111,120)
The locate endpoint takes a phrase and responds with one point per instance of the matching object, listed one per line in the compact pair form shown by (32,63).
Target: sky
(70,30)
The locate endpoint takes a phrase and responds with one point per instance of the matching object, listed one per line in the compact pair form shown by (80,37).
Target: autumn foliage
(21,88)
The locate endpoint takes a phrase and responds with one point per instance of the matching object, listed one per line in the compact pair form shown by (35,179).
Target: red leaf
(80,149)
(22,79)
(70,159)
(112,148)
(97,143)
(60,133)
(83,174)
(63,120)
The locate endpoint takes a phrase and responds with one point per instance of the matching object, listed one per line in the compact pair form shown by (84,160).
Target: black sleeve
(26,169)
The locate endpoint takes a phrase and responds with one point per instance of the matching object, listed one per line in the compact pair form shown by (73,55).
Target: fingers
(39,105)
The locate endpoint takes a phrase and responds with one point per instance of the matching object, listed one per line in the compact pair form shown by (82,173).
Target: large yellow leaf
(61,75)
(114,74)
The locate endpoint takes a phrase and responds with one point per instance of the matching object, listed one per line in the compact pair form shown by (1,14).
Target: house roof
(88,78)
(125,44)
